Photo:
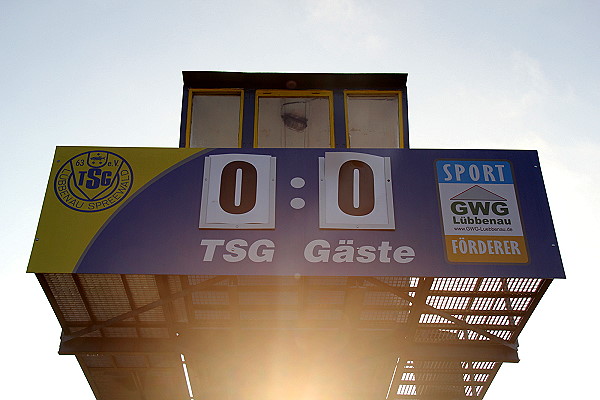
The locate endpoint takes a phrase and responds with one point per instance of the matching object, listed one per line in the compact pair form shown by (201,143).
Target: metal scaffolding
(152,337)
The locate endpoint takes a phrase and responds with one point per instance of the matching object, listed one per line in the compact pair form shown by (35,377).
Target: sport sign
(295,212)
(480,212)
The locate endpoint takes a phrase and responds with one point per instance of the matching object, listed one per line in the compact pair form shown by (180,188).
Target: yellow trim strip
(358,93)
(215,92)
(295,93)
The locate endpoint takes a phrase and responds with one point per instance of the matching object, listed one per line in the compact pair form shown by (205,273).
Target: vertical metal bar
(84,299)
(416,310)
(509,308)
(470,304)
(417,306)
(248,119)
(189,304)
(184,107)
(131,302)
(405,142)
(339,119)
(163,292)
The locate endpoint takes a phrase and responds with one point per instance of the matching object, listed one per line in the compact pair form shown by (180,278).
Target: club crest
(93,181)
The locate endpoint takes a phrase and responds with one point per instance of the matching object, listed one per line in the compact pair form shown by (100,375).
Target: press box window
(215,118)
(373,119)
(293,119)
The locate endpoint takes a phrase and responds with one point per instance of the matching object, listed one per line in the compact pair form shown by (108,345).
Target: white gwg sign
(480,212)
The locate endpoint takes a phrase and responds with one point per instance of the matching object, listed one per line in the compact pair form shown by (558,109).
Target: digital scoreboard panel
(296,212)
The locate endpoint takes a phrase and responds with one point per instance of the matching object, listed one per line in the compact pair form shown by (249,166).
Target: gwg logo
(479,208)
(93,181)
(477,201)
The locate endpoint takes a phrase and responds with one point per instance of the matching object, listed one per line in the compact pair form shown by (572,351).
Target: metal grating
(245,337)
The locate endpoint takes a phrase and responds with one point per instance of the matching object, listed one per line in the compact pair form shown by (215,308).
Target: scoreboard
(296,212)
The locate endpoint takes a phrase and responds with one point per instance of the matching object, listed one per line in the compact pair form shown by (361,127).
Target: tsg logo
(93,181)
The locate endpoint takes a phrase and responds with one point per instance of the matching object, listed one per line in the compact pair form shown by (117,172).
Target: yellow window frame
(374,93)
(295,93)
(212,92)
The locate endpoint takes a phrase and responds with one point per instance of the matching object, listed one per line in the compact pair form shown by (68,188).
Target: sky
(481,74)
